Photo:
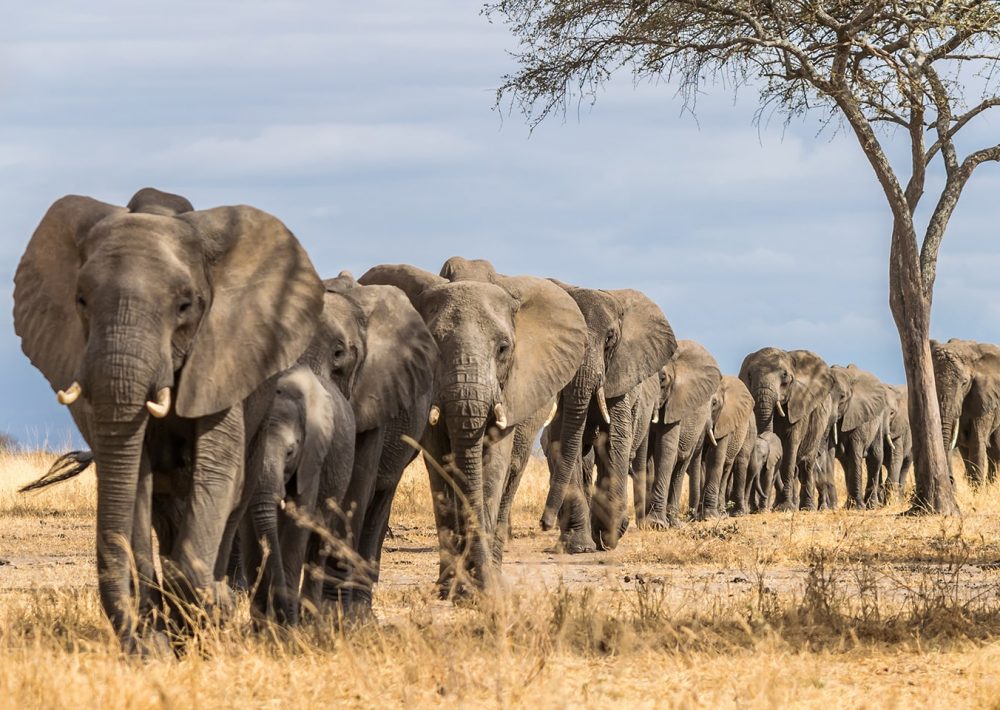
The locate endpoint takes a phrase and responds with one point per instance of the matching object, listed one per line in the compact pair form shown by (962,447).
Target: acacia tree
(872,66)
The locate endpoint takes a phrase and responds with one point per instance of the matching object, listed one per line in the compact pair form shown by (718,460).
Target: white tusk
(70,395)
(161,407)
(954,435)
(711,436)
(435,414)
(500,415)
(602,405)
(552,414)
(777,405)
(892,447)
(656,415)
(836,439)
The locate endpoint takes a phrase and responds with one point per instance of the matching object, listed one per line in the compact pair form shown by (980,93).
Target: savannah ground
(836,609)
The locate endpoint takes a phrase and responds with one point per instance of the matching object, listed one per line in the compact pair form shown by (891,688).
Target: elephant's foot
(739,512)
(785,506)
(153,645)
(808,505)
(711,514)
(664,521)
(577,542)
(854,504)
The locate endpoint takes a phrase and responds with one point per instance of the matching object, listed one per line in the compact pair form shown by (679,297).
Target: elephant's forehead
(138,234)
(470,300)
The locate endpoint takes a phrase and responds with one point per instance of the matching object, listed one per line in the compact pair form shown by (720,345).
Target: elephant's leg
(977,460)
(294,539)
(715,462)
(639,475)
(853,462)
(609,506)
(520,455)
(150,601)
(576,536)
(873,486)
(667,479)
(740,466)
(785,499)
(696,480)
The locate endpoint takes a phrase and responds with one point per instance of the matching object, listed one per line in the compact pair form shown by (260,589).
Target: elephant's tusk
(501,416)
(161,407)
(836,439)
(435,414)
(552,414)
(656,415)
(777,405)
(602,405)
(892,447)
(70,395)
(711,436)
(954,435)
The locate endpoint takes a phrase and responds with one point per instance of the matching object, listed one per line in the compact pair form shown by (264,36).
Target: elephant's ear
(411,280)
(318,425)
(459,268)
(644,346)
(736,409)
(696,377)
(400,355)
(811,382)
(985,391)
(867,399)
(45,314)
(266,299)
(149,200)
(550,339)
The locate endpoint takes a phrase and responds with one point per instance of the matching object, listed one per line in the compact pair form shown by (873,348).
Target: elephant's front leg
(609,506)
(524,437)
(785,500)
(216,481)
(853,462)
(668,477)
(150,601)
(715,463)
(639,475)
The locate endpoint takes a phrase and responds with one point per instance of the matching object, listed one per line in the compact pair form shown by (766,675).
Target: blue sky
(369,129)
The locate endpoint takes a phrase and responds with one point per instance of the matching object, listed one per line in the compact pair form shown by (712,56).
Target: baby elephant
(302,455)
(764,462)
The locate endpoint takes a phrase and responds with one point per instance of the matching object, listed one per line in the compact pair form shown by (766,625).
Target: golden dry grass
(838,609)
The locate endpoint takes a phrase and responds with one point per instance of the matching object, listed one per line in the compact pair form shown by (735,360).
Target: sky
(370,130)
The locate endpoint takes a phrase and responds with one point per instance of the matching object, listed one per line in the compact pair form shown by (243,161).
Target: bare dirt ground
(840,609)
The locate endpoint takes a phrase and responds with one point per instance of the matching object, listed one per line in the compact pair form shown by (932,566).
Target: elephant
(628,340)
(731,433)
(154,322)
(792,393)
(824,472)
(644,408)
(678,428)
(508,345)
(372,345)
(898,441)
(307,422)
(861,410)
(763,471)
(967,375)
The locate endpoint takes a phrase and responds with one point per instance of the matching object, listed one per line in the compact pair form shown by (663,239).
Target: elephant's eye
(183,306)
(786,376)
(503,348)
(81,301)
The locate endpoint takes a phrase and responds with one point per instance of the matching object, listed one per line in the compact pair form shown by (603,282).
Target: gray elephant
(967,375)
(762,473)
(898,441)
(628,341)
(307,431)
(678,430)
(861,410)
(792,393)
(508,345)
(726,454)
(154,323)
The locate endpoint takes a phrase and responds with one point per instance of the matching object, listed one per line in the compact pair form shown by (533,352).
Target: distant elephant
(763,471)
(726,454)
(628,341)
(678,428)
(898,441)
(307,422)
(508,345)
(861,409)
(792,397)
(967,375)
(372,345)
(154,323)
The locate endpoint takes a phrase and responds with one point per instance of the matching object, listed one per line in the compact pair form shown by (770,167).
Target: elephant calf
(762,474)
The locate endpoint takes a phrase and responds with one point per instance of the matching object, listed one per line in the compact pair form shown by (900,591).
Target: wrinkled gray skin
(129,302)
(677,432)
(372,346)
(308,430)
(645,405)
(967,375)
(824,465)
(763,471)
(798,383)
(507,346)
(727,450)
(898,447)
(628,340)
(861,411)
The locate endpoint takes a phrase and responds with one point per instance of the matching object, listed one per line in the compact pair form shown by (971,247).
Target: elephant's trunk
(764,404)
(264,515)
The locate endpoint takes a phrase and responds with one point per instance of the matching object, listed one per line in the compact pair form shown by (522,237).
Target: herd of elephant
(259,418)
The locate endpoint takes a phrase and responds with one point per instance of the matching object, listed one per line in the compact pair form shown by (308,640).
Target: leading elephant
(792,391)
(967,375)
(508,345)
(628,339)
(861,410)
(154,323)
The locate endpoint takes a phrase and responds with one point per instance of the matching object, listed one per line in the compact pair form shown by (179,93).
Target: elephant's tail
(65,467)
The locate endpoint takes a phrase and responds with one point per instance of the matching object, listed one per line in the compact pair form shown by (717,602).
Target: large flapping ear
(645,345)
(695,377)
(266,299)
(317,428)
(549,343)
(811,382)
(149,200)
(410,279)
(737,407)
(984,394)
(400,355)
(45,315)
(459,268)
(867,400)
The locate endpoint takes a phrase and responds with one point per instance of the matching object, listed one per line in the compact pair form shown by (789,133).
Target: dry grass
(835,609)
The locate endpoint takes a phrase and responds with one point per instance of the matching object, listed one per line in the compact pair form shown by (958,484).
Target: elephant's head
(860,397)
(687,382)
(507,346)
(967,376)
(898,417)
(157,311)
(790,383)
(732,408)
